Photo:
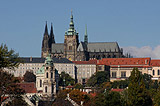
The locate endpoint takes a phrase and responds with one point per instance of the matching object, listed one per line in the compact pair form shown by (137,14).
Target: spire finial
(85,35)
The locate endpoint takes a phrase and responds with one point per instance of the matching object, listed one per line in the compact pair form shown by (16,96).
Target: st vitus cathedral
(74,50)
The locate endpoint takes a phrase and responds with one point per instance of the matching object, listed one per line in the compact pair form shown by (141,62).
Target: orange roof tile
(125,61)
(155,63)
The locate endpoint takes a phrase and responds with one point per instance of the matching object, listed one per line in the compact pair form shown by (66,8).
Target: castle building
(74,50)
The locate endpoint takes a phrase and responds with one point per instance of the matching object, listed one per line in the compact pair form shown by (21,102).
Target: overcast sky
(134,24)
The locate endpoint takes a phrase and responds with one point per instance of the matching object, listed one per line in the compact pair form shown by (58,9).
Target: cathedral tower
(45,43)
(51,38)
(71,42)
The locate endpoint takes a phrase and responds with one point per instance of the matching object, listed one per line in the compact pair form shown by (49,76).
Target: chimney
(31,58)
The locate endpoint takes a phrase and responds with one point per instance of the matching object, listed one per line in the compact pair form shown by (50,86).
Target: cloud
(145,51)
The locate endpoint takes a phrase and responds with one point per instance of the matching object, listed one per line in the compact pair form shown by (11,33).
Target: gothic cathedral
(74,50)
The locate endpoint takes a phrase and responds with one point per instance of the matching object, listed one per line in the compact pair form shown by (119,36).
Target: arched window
(153,72)
(40,83)
(158,72)
(46,89)
(47,75)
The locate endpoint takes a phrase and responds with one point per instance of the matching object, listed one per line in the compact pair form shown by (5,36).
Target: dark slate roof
(42,60)
(57,47)
(33,59)
(103,47)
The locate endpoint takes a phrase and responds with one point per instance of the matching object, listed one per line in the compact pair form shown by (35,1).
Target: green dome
(41,70)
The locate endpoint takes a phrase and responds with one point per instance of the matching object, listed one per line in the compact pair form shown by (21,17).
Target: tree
(17,101)
(147,80)
(65,79)
(137,93)
(29,77)
(108,98)
(8,86)
(8,59)
(157,98)
(77,96)
(120,84)
(98,78)
(78,86)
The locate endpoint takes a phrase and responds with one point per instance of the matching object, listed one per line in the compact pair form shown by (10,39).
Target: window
(46,68)
(158,72)
(153,72)
(114,74)
(70,47)
(100,67)
(123,74)
(47,75)
(46,89)
(51,75)
(40,83)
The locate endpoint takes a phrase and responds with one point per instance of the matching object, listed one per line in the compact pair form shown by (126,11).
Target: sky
(134,24)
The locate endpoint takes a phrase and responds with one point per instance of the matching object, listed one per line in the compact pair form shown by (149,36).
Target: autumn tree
(137,92)
(29,77)
(77,96)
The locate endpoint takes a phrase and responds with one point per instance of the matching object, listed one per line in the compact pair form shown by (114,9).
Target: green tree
(8,86)
(156,99)
(120,84)
(8,59)
(108,98)
(98,78)
(137,92)
(65,79)
(78,86)
(147,80)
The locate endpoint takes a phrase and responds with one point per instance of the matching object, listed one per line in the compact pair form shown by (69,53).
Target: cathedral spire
(46,29)
(71,30)
(85,35)
(52,35)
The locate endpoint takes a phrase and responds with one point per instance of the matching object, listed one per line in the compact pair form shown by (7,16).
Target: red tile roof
(117,90)
(29,87)
(155,63)
(125,62)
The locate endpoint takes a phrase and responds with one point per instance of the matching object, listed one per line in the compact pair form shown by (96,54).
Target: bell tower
(71,42)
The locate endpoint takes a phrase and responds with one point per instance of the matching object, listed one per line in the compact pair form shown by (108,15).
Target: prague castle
(74,50)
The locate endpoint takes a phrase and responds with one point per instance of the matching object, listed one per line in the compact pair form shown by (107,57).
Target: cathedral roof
(57,48)
(103,47)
